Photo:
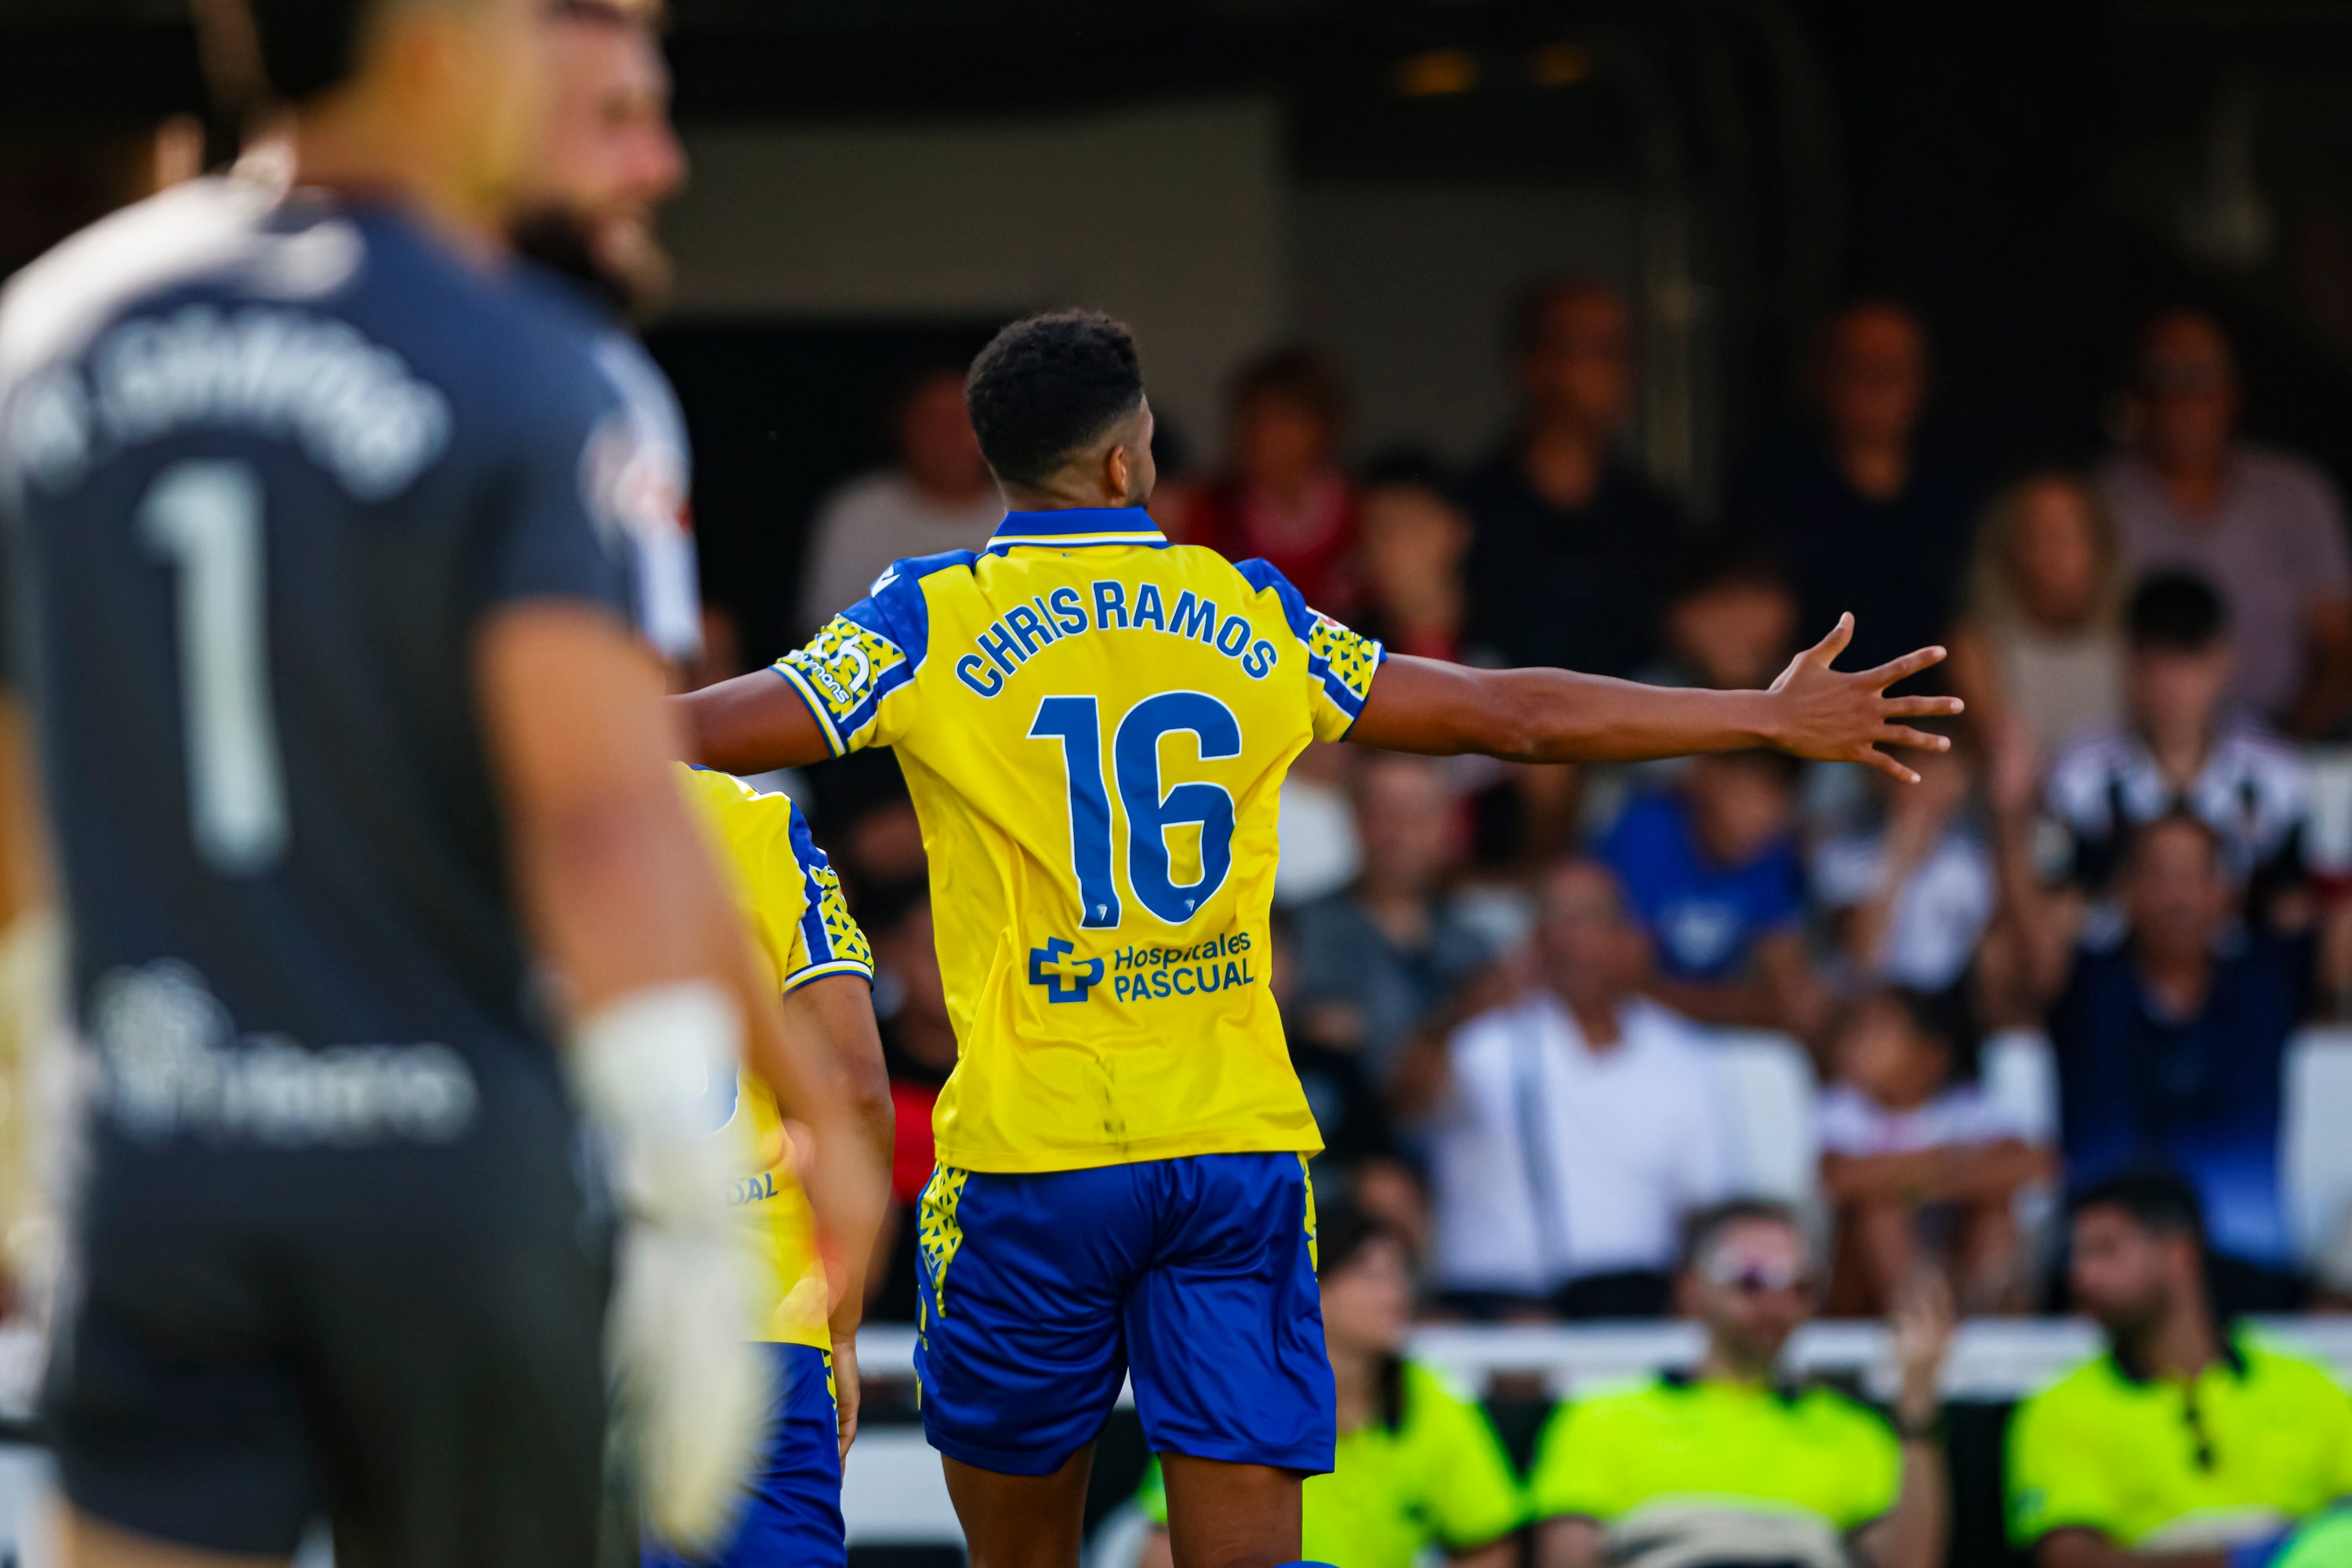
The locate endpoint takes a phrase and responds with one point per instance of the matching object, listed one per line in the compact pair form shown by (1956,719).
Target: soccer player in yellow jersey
(819,961)
(1095,724)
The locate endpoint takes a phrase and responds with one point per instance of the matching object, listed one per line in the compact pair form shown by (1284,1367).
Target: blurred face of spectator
(1752,1290)
(1368,1301)
(2125,1276)
(935,444)
(609,157)
(2175,892)
(1412,537)
(1733,636)
(1578,366)
(2176,692)
(1742,803)
(1873,376)
(2186,397)
(2055,562)
(1404,816)
(1591,951)
(1281,442)
(1882,1051)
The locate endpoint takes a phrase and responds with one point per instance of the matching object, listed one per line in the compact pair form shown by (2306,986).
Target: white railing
(1993,1359)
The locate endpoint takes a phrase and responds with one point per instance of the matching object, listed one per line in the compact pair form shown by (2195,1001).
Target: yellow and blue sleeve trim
(828,932)
(866,652)
(1340,661)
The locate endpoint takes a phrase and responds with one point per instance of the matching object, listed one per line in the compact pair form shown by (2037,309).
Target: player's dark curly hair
(1046,385)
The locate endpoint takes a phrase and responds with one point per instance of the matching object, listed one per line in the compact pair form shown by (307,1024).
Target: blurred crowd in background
(1745,1041)
(1507,988)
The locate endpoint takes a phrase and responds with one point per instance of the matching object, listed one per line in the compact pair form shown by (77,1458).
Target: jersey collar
(1081,526)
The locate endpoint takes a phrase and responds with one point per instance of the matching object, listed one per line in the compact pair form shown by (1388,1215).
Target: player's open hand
(1835,716)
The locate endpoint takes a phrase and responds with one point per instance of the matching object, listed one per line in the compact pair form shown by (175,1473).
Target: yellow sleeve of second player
(787,888)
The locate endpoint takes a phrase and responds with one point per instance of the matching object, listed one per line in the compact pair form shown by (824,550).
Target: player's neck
(357,147)
(1060,497)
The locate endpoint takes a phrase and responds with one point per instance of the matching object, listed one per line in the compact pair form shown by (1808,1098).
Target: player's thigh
(458,1348)
(176,1403)
(1225,1325)
(87,1543)
(1224,1515)
(1023,1351)
(792,1518)
(1022,1521)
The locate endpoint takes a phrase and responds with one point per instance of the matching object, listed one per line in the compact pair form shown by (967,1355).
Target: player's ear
(1118,473)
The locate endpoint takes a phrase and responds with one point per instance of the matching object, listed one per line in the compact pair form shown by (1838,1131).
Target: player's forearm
(748,725)
(616,887)
(838,1012)
(615,900)
(1553,715)
(847,1183)
(1570,718)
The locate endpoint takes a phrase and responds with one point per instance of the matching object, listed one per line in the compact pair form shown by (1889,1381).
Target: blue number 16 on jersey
(1076,723)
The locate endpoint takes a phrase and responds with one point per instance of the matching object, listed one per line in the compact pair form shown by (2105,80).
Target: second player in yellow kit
(791,901)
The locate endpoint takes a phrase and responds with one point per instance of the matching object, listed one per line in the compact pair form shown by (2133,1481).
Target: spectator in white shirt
(1577,1128)
(939,496)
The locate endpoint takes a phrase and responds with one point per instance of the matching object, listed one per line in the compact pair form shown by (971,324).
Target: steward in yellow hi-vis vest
(1094,725)
(791,898)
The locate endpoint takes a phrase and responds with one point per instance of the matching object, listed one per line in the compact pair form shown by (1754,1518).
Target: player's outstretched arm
(748,725)
(1558,716)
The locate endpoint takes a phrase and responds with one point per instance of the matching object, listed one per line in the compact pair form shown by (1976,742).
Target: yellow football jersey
(1094,725)
(791,896)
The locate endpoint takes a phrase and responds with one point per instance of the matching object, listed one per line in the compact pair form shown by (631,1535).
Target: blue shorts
(1041,1293)
(793,1518)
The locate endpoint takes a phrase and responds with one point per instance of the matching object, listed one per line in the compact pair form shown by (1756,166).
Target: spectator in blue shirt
(2171,1024)
(1712,871)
